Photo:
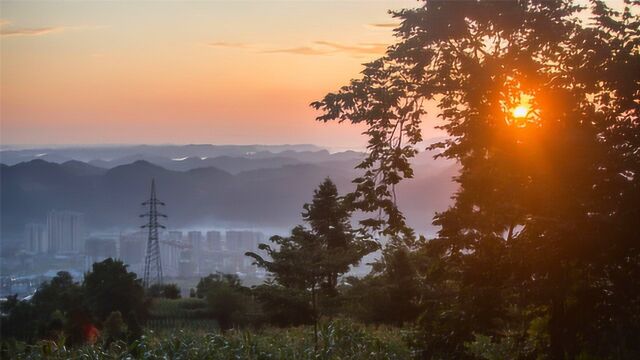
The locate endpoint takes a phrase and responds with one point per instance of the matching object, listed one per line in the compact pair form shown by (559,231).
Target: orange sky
(182,72)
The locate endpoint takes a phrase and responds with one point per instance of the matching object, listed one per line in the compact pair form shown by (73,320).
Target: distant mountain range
(259,189)
(11,156)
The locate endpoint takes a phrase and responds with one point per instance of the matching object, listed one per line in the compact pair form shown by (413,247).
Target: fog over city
(65,208)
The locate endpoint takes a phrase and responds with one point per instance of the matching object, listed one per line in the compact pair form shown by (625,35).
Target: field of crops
(337,340)
(190,313)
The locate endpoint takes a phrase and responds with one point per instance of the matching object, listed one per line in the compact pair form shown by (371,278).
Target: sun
(520,111)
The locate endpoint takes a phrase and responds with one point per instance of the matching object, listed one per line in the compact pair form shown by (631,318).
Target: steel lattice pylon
(152,262)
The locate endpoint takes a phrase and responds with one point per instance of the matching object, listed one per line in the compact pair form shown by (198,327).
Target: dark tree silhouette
(329,217)
(542,115)
(57,308)
(311,260)
(109,287)
(169,291)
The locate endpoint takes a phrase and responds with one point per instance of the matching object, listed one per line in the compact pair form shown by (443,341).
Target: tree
(114,328)
(329,218)
(283,306)
(298,262)
(109,287)
(226,304)
(214,280)
(311,260)
(57,307)
(18,320)
(226,297)
(229,301)
(543,218)
(390,293)
(169,291)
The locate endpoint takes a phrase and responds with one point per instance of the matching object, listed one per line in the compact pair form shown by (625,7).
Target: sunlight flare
(520,111)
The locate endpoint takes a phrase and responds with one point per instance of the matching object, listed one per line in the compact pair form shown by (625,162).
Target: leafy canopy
(543,221)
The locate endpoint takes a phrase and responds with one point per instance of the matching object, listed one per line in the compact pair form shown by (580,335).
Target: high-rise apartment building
(195,240)
(170,255)
(243,240)
(133,248)
(214,241)
(35,238)
(65,232)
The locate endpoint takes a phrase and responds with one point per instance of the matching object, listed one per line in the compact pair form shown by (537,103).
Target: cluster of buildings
(185,254)
(63,242)
(63,233)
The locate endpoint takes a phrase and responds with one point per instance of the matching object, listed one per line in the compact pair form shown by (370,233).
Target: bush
(283,306)
(227,305)
(114,328)
(168,291)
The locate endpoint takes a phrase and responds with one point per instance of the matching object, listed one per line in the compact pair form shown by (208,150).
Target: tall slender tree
(312,259)
(329,217)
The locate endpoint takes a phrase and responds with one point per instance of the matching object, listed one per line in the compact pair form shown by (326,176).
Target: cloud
(301,50)
(320,47)
(384,25)
(360,49)
(31,31)
(231,45)
(37,31)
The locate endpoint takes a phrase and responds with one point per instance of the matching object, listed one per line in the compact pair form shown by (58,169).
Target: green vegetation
(310,261)
(169,291)
(75,311)
(167,315)
(337,340)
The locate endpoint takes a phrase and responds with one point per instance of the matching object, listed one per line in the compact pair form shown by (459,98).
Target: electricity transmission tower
(152,263)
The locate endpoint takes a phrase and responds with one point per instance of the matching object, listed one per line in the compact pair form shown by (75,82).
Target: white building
(195,240)
(170,257)
(214,240)
(35,238)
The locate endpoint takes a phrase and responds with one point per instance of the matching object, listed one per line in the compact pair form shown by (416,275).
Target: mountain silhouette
(200,197)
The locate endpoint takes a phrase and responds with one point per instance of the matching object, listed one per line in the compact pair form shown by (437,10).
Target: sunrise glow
(107,72)
(520,111)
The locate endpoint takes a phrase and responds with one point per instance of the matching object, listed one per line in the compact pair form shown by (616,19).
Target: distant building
(133,247)
(170,257)
(243,240)
(211,262)
(35,238)
(187,265)
(175,236)
(214,241)
(99,249)
(195,240)
(65,232)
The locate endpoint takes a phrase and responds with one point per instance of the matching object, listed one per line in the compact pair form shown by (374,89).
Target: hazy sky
(182,72)
(220,72)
